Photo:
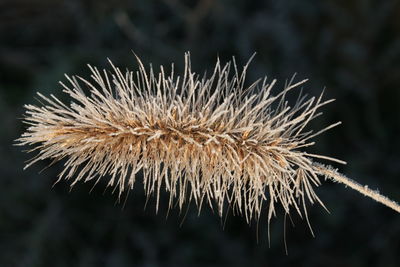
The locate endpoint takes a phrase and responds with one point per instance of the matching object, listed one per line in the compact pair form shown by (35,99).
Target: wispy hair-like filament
(200,138)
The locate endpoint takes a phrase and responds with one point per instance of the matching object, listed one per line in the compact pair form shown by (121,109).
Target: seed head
(201,138)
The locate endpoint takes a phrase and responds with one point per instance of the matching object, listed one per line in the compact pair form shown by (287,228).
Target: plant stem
(332,174)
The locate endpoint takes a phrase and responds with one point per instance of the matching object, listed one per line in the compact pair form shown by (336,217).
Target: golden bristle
(208,140)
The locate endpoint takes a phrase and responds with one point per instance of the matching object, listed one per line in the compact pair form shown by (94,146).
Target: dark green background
(350,47)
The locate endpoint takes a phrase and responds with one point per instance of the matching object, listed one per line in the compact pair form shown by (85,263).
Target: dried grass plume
(201,138)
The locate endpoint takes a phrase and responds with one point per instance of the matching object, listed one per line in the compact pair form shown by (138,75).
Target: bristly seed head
(208,139)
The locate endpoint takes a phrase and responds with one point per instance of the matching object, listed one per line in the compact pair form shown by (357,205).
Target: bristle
(207,140)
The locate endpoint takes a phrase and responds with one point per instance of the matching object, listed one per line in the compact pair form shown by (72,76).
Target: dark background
(350,47)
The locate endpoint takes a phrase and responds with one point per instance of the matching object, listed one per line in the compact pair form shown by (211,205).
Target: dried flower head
(207,139)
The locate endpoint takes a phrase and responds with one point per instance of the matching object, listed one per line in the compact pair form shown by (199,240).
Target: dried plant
(202,139)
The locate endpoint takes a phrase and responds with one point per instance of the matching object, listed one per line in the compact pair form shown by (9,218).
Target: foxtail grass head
(209,139)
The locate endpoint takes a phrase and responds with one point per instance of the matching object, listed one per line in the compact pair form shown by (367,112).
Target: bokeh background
(352,48)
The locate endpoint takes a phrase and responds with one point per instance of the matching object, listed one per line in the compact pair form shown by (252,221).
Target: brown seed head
(204,139)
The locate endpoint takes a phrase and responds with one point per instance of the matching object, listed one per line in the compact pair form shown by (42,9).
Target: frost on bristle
(207,139)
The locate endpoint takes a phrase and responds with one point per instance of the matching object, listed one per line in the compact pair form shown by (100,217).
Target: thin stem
(374,194)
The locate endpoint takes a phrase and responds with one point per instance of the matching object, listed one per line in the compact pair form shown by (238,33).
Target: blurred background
(351,48)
